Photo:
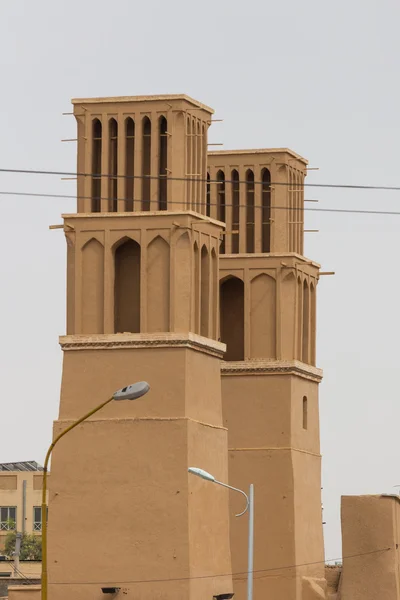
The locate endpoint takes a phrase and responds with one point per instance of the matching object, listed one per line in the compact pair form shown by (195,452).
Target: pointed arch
(158,285)
(205,292)
(306,323)
(96,164)
(313,324)
(263,316)
(214,294)
(112,165)
(299,302)
(163,163)
(93,287)
(146,163)
(129,163)
(266,210)
(249,211)
(127,287)
(196,287)
(232,317)
(235,210)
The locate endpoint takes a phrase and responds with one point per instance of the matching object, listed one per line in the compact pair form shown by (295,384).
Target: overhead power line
(309,209)
(269,570)
(297,187)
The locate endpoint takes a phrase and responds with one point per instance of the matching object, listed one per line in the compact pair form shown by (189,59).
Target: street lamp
(250,509)
(130,392)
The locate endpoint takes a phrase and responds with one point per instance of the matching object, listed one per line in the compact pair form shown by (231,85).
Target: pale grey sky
(318,77)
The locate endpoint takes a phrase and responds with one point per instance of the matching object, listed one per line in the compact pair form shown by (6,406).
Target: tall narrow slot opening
(208,196)
(249,211)
(235,211)
(221,208)
(113,166)
(305,412)
(96,165)
(146,163)
(129,163)
(266,211)
(162,170)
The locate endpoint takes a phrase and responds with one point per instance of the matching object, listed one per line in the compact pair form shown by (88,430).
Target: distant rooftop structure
(30,465)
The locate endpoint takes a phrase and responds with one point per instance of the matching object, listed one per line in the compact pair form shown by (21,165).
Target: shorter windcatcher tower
(269,375)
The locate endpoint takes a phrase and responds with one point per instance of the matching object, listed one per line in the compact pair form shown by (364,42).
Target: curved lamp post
(131,392)
(250,509)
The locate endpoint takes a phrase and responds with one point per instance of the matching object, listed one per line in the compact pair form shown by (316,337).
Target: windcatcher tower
(142,304)
(269,378)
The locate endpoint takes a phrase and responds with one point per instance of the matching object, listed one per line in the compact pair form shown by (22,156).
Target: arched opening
(232,318)
(96,165)
(263,317)
(127,288)
(203,168)
(306,323)
(188,161)
(266,211)
(235,211)
(221,203)
(313,328)
(113,165)
(215,292)
(249,211)
(163,163)
(184,294)
(205,293)
(208,196)
(199,183)
(288,316)
(129,163)
(196,289)
(146,163)
(299,301)
(193,167)
(158,285)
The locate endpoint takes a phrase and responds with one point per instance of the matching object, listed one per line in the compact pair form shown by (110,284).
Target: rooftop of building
(30,465)
(150,98)
(258,151)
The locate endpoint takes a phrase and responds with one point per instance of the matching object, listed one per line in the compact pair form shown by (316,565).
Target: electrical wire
(308,209)
(136,581)
(202,180)
(27,580)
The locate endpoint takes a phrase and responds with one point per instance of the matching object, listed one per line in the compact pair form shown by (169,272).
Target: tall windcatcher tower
(269,375)
(142,304)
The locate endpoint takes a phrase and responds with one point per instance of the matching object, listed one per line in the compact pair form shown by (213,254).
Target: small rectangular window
(37,518)
(8,518)
(305,412)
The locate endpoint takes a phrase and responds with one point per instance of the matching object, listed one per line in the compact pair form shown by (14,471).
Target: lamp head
(201,473)
(132,392)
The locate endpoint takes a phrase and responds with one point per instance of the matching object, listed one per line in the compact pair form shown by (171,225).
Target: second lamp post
(250,509)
